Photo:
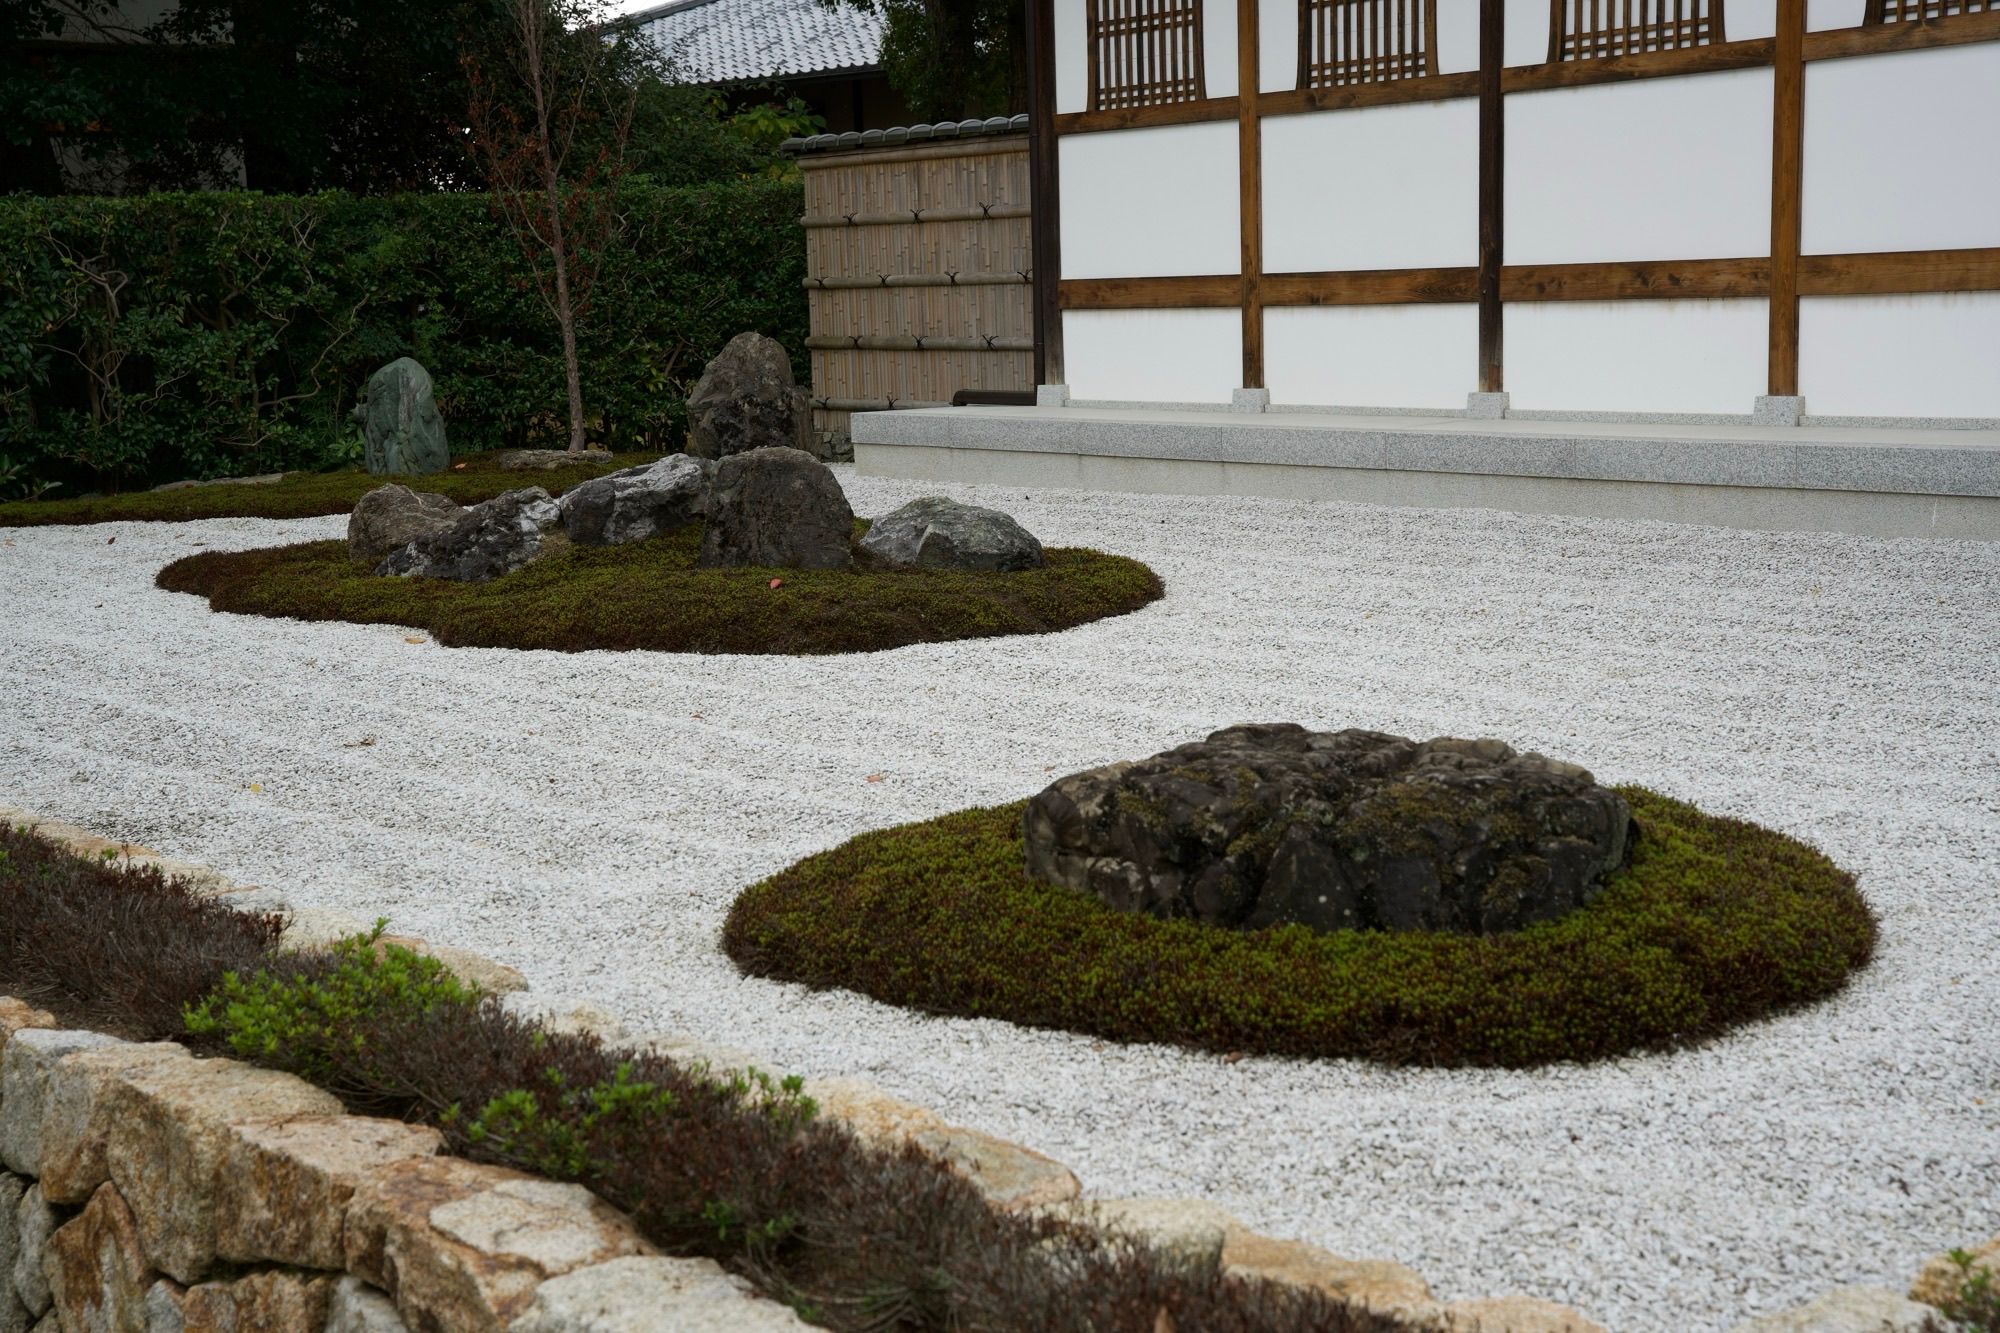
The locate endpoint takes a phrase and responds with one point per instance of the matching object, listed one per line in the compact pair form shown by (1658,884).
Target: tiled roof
(723,41)
(896,138)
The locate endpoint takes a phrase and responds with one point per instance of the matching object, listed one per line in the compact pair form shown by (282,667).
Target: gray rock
(1265,824)
(746,399)
(34,1224)
(484,542)
(165,1307)
(14,1317)
(780,508)
(400,422)
(547,460)
(638,502)
(393,516)
(935,533)
(1849,1310)
(359,1308)
(641,1295)
(28,1080)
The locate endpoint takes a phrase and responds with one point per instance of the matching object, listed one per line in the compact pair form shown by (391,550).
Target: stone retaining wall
(144,1189)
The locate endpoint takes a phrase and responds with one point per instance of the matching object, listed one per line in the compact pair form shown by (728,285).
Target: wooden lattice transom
(1145,53)
(1919,11)
(1365,41)
(1596,29)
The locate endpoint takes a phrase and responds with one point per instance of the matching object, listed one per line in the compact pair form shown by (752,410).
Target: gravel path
(588,818)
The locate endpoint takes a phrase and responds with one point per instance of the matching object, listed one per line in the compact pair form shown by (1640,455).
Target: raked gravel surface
(588,818)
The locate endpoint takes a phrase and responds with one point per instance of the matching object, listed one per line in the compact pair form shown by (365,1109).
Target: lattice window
(1594,29)
(1919,11)
(1365,41)
(1144,53)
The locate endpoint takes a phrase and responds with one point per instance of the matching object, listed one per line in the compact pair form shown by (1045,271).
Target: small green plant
(1976,1306)
(551,1133)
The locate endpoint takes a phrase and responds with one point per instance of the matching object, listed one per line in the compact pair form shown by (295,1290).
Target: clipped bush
(1716,922)
(154,337)
(650,595)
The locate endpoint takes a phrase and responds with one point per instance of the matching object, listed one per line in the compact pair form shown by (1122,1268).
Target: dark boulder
(547,460)
(777,507)
(393,516)
(935,533)
(746,399)
(484,542)
(400,422)
(1266,824)
(638,502)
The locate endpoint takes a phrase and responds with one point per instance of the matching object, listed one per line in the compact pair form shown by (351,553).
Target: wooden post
(1788,151)
(1250,174)
(1492,189)
(1045,229)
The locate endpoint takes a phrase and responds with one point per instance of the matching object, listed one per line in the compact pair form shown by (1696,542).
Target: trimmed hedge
(165,336)
(739,1169)
(301,494)
(650,595)
(1716,922)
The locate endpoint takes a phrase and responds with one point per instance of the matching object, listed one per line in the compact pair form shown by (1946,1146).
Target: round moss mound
(650,595)
(1714,923)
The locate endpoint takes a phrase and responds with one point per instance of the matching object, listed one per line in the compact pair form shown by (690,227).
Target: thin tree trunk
(566,317)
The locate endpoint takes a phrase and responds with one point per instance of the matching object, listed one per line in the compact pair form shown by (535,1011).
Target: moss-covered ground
(1716,922)
(301,494)
(650,595)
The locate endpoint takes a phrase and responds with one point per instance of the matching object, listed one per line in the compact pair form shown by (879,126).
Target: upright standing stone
(399,419)
(777,508)
(746,399)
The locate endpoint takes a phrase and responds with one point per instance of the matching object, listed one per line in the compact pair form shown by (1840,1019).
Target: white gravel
(588,818)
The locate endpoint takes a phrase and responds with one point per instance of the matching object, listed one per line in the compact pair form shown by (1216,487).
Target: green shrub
(1716,922)
(161,336)
(1975,1307)
(650,595)
(300,495)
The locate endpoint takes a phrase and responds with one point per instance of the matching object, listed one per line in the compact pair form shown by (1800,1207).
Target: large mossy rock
(1266,824)
(638,502)
(746,399)
(391,517)
(483,542)
(935,533)
(777,507)
(400,422)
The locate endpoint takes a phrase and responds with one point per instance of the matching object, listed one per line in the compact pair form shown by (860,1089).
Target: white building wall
(1918,356)
(1218,42)
(1165,356)
(1675,168)
(1886,165)
(1372,356)
(1072,35)
(1157,202)
(1637,356)
(1377,187)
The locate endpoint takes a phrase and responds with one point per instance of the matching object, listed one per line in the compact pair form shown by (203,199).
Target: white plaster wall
(1372,356)
(1377,187)
(1900,153)
(1277,46)
(1823,14)
(1637,356)
(1150,203)
(1748,19)
(1164,356)
(1900,356)
(1218,47)
(1676,168)
(1527,41)
(1458,36)
(1072,34)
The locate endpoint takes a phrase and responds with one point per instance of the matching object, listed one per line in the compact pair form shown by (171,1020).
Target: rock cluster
(746,399)
(482,542)
(779,508)
(935,533)
(1268,824)
(638,502)
(400,423)
(390,517)
(546,460)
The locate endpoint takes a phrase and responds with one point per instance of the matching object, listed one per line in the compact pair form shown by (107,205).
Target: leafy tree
(953,59)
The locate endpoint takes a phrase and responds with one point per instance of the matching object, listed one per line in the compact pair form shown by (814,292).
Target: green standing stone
(399,418)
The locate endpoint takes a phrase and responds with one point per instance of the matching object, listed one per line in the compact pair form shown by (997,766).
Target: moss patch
(300,495)
(650,595)
(1716,922)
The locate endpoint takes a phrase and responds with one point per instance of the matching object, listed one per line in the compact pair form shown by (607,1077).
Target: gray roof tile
(723,41)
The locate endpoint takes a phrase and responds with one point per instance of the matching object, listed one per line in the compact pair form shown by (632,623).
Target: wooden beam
(1645,65)
(1208,291)
(1045,194)
(1698,279)
(1492,189)
(1393,92)
(1145,117)
(1250,187)
(1400,286)
(1788,150)
(1877,38)
(1896,273)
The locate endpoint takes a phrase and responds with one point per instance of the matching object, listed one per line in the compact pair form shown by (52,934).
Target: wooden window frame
(1559,31)
(1877,14)
(1146,54)
(1425,14)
